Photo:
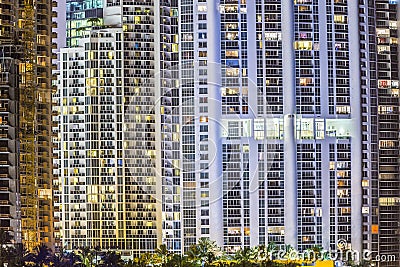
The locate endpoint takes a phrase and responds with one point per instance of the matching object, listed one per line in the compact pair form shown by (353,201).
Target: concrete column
(356,117)
(252,71)
(325,183)
(214,121)
(289,110)
(157,108)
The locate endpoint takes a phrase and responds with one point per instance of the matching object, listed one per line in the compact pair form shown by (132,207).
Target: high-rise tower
(9,124)
(246,121)
(26,32)
(386,31)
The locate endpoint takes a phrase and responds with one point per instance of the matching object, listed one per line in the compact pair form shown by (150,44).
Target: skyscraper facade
(26,148)
(248,122)
(80,16)
(387,69)
(9,126)
(107,145)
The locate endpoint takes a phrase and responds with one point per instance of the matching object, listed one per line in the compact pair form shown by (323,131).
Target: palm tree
(244,256)
(205,251)
(16,256)
(265,254)
(179,261)
(223,260)
(86,256)
(41,256)
(144,259)
(5,240)
(111,259)
(94,21)
(73,259)
(163,254)
(317,250)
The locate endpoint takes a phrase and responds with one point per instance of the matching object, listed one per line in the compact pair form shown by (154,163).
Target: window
(303,45)
(203,128)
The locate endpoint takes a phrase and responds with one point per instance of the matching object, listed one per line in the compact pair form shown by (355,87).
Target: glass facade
(81,15)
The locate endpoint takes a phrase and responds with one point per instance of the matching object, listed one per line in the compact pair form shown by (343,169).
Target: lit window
(393,25)
(340,19)
(271,36)
(232,54)
(203,119)
(303,45)
(231,35)
(232,72)
(343,109)
(202,8)
(137,20)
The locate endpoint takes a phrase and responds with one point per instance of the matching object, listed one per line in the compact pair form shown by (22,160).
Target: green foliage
(205,253)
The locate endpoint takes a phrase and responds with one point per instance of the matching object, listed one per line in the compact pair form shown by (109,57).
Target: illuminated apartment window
(202,8)
(231,53)
(387,144)
(231,26)
(303,45)
(296,2)
(202,53)
(365,183)
(343,109)
(231,35)
(230,9)
(203,119)
(383,49)
(385,109)
(383,32)
(273,36)
(389,201)
(232,72)
(340,19)
(393,25)
(306,81)
(230,91)
(304,8)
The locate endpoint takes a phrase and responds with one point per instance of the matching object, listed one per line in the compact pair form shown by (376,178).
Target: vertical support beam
(157,117)
(356,140)
(253,113)
(214,126)
(289,110)
(325,183)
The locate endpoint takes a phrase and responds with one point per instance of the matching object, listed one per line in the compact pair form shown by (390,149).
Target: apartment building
(9,127)
(248,122)
(107,145)
(387,82)
(26,176)
(81,15)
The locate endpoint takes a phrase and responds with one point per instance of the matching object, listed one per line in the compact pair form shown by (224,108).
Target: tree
(179,261)
(265,254)
(16,256)
(204,252)
(244,257)
(5,240)
(163,255)
(72,259)
(94,21)
(111,259)
(144,259)
(40,256)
